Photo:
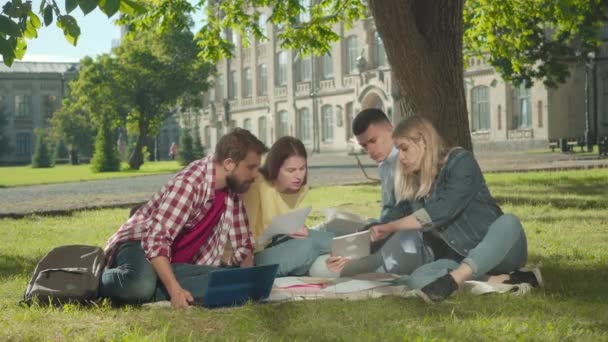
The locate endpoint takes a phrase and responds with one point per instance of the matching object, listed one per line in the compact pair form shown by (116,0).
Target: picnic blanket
(369,285)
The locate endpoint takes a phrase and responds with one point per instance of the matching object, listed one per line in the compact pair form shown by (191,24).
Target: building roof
(38,67)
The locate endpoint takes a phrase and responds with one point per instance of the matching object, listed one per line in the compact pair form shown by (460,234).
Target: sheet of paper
(285,224)
(353,285)
(353,246)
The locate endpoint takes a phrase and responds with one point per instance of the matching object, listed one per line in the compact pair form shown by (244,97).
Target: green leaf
(88,5)
(7,52)
(34,20)
(20,48)
(70,28)
(30,31)
(9,26)
(130,7)
(110,7)
(70,5)
(48,15)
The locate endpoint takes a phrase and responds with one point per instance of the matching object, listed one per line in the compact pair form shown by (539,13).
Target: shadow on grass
(583,186)
(560,203)
(11,265)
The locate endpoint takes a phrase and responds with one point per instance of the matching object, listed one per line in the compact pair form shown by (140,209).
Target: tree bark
(423,42)
(136,159)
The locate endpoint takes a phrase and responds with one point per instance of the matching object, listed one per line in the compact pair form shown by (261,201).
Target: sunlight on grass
(565,215)
(26,175)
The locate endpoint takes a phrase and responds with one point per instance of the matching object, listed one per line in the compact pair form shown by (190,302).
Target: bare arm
(180,298)
(381,231)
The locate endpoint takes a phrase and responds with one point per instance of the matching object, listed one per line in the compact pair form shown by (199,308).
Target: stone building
(29,94)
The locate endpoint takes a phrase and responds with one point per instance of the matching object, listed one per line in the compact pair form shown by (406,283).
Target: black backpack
(66,274)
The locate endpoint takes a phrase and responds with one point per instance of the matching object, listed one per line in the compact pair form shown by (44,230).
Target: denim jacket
(459,208)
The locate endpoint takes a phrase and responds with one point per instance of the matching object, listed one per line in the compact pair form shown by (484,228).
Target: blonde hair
(418,185)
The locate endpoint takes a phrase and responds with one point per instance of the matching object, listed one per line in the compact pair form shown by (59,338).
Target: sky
(97,34)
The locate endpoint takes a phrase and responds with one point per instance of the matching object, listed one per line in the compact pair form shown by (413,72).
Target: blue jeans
(295,256)
(502,250)
(131,279)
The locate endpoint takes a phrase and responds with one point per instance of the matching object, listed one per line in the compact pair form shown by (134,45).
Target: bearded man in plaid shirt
(180,234)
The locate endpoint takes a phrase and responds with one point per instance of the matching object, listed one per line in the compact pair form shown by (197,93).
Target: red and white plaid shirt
(180,204)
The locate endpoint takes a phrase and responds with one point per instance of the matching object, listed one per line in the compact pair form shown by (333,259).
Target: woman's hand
(301,233)
(381,231)
(336,263)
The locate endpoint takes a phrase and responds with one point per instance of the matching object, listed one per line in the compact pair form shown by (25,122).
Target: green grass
(565,215)
(26,175)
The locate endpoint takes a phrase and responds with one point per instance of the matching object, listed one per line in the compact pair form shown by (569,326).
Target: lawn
(565,215)
(26,175)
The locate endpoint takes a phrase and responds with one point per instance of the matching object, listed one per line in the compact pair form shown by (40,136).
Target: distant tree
(5,146)
(185,154)
(42,157)
(73,127)
(105,157)
(61,150)
(198,150)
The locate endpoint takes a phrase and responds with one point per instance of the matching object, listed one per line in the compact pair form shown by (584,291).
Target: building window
(219,87)
(22,106)
(262,129)
(232,85)
(304,69)
(247,124)
(247,84)
(24,145)
(207,136)
(328,124)
(283,124)
(235,38)
(522,107)
(349,120)
(50,105)
(351,55)
(328,66)
(262,23)
(282,69)
(304,125)
(262,79)
(480,108)
(379,52)
(220,133)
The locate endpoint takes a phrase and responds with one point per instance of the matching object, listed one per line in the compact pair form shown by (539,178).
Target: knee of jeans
(137,291)
(511,221)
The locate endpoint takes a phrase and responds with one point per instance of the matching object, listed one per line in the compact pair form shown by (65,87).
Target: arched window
(304,125)
(522,107)
(247,85)
(247,124)
(379,52)
(283,124)
(282,68)
(328,123)
(262,129)
(351,54)
(480,108)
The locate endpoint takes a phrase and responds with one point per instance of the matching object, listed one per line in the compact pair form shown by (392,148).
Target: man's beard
(234,185)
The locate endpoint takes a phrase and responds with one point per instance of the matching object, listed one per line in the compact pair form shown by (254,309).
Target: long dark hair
(282,149)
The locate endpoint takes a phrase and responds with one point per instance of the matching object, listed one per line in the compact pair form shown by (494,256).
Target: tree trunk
(137,156)
(423,41)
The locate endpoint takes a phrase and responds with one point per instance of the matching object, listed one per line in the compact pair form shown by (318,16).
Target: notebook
(235,286)
(285,224)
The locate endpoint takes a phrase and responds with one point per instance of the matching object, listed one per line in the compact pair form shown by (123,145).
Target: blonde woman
(450,203)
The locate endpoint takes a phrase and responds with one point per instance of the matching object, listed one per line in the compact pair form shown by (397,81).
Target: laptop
(235,286)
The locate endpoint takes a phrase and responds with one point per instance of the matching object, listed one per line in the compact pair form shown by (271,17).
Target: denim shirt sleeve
(453,191)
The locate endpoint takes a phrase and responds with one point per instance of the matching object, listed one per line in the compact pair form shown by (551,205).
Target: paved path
(326,169)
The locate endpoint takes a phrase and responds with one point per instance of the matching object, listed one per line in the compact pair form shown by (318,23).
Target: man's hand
(380,231)
(180,298)
(301,233)
(336,263)
(248,261)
